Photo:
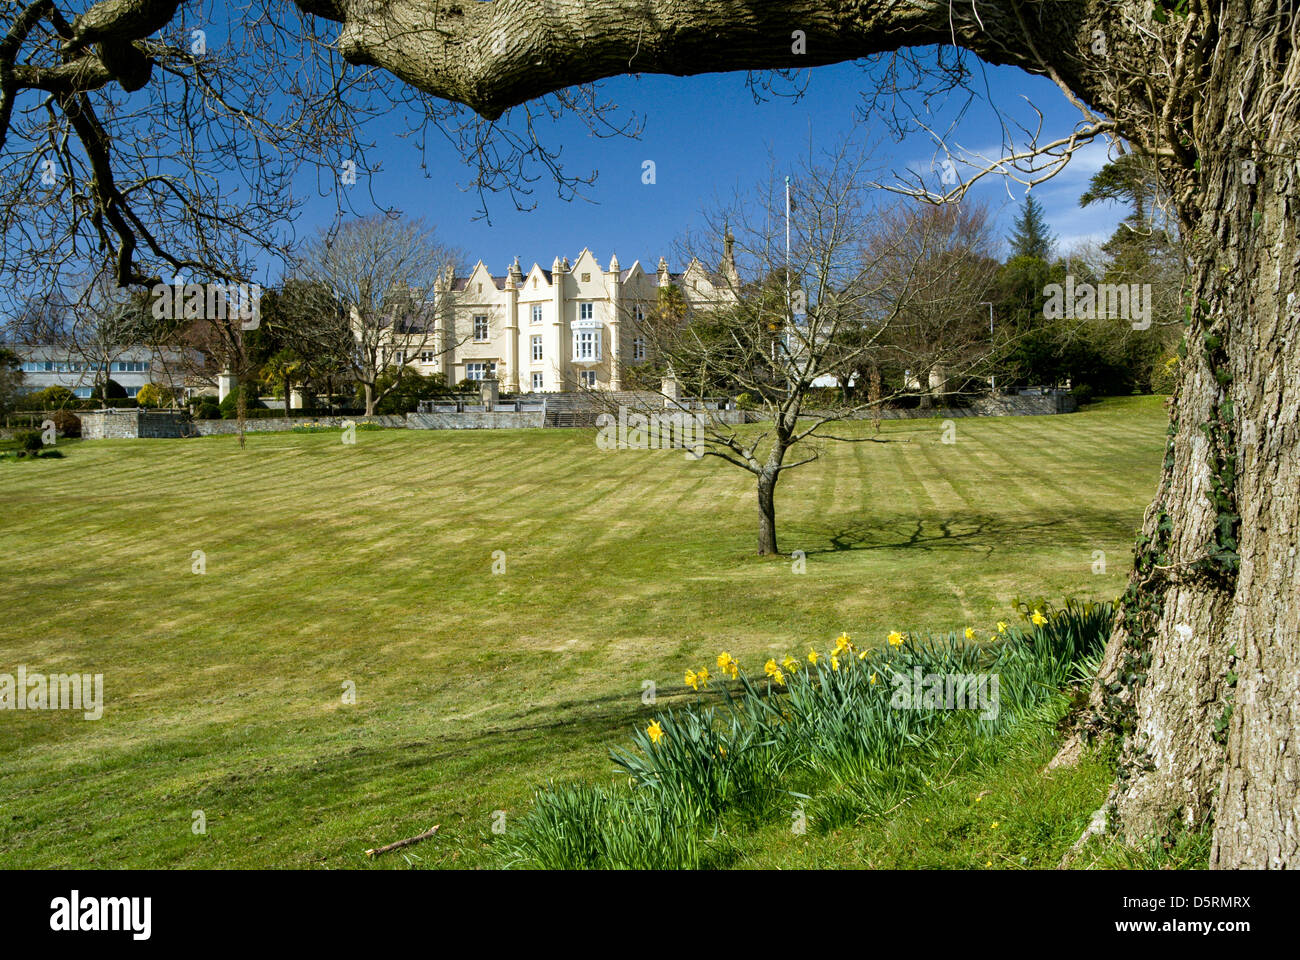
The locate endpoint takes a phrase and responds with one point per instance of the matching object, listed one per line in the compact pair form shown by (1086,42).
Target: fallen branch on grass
(404,843)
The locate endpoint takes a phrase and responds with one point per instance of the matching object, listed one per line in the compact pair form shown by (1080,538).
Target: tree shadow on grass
(927,533)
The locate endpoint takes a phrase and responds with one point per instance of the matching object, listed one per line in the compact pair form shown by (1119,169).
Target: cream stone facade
(572,327)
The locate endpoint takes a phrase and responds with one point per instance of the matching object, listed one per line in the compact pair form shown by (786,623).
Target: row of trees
(326,330)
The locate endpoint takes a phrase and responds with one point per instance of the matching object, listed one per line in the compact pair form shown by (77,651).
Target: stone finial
(613,264)
(729,256)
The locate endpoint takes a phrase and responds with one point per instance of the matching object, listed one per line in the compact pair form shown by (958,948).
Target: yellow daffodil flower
(1038,619)
(655,732)
(970,633)
(895,639)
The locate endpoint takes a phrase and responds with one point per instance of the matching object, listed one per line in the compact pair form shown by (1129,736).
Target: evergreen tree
(1030,236)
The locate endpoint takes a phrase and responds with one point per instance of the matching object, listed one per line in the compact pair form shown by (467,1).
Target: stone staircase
(581,409)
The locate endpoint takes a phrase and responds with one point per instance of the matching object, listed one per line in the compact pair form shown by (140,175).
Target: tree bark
(767,512)
(1201,678)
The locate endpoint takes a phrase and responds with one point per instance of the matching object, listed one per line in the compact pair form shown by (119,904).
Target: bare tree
(936,263)
(384,307)
(840,298)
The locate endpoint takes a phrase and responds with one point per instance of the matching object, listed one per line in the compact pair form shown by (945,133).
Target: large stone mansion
(571,327)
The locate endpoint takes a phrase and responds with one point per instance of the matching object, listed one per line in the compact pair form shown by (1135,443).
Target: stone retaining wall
(131,424)
(212,428)
(496,420)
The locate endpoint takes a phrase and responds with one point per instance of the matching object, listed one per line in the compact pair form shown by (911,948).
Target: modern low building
(575,326)
(46,365)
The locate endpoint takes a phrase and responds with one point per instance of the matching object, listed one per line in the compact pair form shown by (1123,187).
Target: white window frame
(586,311)
(587,378)
(587,346)
(537,312)
(537,349)
(539,380)
(487,328)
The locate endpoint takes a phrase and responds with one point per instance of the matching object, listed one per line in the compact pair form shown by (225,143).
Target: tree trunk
(241,409)
(767,512)
(370,399)
(1201,678)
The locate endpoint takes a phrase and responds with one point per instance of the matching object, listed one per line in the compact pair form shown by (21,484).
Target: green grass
(372,564)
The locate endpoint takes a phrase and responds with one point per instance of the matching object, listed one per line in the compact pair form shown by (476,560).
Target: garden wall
(496,420)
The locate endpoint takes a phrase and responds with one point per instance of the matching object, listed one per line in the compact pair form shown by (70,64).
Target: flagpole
(788,304)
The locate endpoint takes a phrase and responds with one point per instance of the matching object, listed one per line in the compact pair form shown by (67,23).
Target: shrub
(152,395)
(408,389)
(51,398)
(110,390)
(67,423)
(746,401)
(29,441)
(1164,374)
(1082,394)
(230,406)
(207,408)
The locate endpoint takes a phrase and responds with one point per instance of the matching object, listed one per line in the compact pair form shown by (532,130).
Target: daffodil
(790,663)
(895,639)
(970,633)
(812,657)
(703,676)
(655,732)
(873,678)
(728,664)
(1038,619)
(770,668)
(835,662)
(1002,626)
(692,680)
(863,654)
(842,643)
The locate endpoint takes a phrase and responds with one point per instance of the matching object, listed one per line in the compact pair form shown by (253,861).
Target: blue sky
(707,137)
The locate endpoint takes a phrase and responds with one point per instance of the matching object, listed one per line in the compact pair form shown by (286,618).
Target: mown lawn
(372,565)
